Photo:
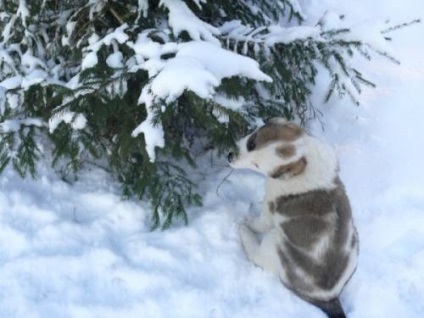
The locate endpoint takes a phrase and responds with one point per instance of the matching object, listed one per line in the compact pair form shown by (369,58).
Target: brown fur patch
(291,169)
(277,132)
(286,151)
(303,232)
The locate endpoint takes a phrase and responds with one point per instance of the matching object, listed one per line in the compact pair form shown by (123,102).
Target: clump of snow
(13,125)
(181,18)
(199,3)
(35,77)
(182,73)
(220,116)
(90,58)
(114,60)
(149,53)
(23,11)
(77,121)
(228,102)
(70,27)
(11,82)
(297,8)
(13,100)
(143,6)
(149,49)
(153,134)
(198,66)
(222,63)
(2,100)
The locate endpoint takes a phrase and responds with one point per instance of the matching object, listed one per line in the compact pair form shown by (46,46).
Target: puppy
(309,239)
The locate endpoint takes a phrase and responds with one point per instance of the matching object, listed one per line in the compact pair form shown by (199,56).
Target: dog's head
(275,150)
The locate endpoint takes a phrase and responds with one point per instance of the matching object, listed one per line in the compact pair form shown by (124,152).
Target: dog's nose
(230,157)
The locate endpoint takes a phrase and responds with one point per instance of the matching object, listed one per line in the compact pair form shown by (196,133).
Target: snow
(81,251)
(154,135)
(70,27)
(199,3)
(278,34)
(2,100)
(89,60)
(77,121)
(367,31)
(23,11)
(222,63)
(11,82)
(117,36)
(297,8)
(13,100)
(198,66)
(181,19)
(12,125)
(143,6)
(34,77)
(171,83)
(114,60)
(230,103)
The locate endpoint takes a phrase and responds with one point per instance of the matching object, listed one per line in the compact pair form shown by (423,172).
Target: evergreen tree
(135,86)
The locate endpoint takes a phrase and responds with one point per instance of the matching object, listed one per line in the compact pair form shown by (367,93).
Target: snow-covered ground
(80,251)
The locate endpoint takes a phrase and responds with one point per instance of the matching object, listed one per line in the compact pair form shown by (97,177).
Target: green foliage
(27,153)
(86,109)
(4,155)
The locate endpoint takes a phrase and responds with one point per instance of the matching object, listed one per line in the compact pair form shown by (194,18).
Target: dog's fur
(309,239)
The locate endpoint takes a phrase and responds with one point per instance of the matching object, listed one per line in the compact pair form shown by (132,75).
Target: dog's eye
(251,143)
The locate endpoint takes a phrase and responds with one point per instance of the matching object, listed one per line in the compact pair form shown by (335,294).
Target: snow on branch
(328,28)
(23,12)
(143,6)
(295,6)
(198,66)
(13,125)
(234,32)
(181,19)
(90,58)
(199,3)
(77,121)
(370,33)
(2,100)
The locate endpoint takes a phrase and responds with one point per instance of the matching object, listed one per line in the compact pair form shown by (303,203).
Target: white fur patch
(315,176)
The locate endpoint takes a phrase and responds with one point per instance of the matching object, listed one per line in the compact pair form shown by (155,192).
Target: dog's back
(318,248)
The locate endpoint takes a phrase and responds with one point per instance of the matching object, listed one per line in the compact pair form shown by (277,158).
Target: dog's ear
(290,169)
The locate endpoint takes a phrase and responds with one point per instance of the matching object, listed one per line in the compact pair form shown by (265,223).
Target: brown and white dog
(309,239)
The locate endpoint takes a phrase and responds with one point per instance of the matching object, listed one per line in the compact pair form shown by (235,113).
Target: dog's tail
(332,308)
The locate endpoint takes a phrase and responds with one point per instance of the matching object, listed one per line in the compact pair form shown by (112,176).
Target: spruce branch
(401,26)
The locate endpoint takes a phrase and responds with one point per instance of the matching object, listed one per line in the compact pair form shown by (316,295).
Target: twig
(222,181)
(116,15)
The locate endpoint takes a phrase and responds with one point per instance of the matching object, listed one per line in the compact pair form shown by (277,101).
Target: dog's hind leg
(264,254)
